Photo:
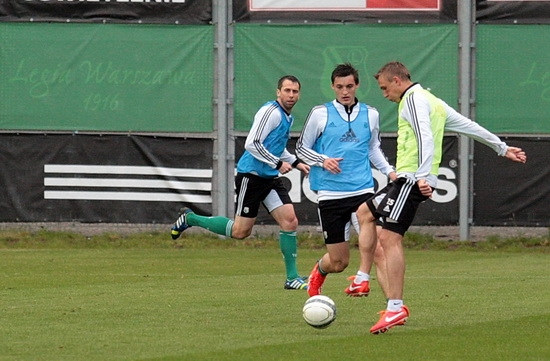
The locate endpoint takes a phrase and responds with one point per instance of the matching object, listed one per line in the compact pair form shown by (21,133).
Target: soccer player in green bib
(421,123)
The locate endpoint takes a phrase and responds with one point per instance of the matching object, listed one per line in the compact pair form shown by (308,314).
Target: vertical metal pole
(223,147)
(230,171)
(466,18)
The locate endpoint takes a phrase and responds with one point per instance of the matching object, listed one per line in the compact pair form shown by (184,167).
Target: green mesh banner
(513,78)
(264,53)
(106,77)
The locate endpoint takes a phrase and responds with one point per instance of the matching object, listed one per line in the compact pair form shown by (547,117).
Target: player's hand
(304,168)
(424,187)
(285,168)
(516,154)
(392,176)
(332,165)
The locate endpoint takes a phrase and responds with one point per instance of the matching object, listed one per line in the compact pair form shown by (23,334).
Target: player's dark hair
(393,68)
(291,78)
(343,70)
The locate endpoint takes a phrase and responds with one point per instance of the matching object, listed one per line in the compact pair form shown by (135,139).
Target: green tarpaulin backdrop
(160,78)
(106,77)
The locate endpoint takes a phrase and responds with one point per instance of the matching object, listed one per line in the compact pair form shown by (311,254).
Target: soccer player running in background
(258,183)
(422,122)
(339,140)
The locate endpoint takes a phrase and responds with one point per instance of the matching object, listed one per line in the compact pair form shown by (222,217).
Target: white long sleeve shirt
(417,112)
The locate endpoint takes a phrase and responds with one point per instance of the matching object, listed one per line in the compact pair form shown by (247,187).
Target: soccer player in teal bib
(258,183)
(339,141)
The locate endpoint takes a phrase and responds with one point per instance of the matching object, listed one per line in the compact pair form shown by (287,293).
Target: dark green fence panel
(513,78)
(106,77)
(263,53)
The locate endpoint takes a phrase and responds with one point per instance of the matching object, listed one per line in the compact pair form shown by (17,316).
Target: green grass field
(66,297)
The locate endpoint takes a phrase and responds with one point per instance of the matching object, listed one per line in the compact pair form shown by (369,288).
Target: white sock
(394,305)
(360,277)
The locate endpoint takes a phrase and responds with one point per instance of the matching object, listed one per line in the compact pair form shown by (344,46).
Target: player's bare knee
(340,266)
(289,225)
(241,233)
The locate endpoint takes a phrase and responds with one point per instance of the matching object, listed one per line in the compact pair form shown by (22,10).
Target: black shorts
(334,214)
(396,204)
(253,190)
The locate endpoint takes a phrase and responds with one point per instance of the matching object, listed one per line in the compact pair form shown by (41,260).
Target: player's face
(288,95)
(390,88)
(345,88)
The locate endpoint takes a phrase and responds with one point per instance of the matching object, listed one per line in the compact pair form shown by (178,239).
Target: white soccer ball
(319,311)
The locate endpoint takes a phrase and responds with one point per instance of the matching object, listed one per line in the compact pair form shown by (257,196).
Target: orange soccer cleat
(357,289)
(389,319)
(315,281)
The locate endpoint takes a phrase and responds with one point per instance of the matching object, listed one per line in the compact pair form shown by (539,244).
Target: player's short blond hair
(393,68)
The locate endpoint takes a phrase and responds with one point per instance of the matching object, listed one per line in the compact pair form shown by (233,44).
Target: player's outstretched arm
(516,154)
